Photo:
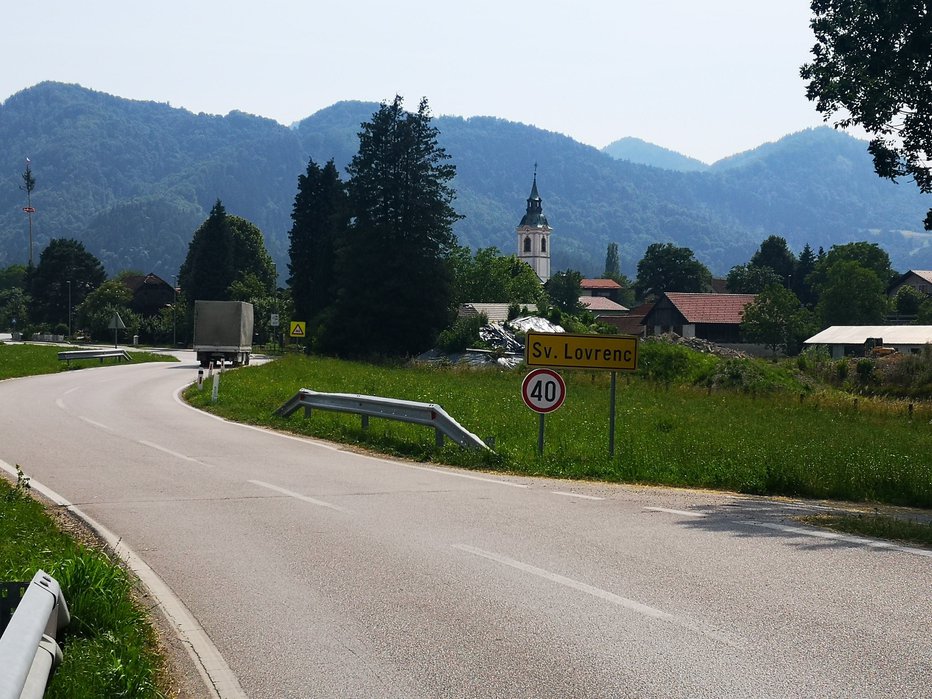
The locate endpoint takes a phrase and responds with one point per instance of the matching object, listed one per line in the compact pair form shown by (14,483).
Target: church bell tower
(534,235)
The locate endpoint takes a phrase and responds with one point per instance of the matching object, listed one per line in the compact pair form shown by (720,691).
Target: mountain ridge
(128,177)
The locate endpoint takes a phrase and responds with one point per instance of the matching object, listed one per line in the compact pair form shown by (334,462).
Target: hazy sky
(708,78)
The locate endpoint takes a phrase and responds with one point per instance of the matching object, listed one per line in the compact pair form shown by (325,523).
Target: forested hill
(133,180)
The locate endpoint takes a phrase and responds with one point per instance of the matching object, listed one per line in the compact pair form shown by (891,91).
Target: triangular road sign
(116,323)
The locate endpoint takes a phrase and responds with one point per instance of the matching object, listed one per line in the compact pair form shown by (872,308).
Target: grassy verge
(28,360)
(109,647)
(877,526)
(771,443)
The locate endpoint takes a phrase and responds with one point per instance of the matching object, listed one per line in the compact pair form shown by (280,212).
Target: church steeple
(534,234)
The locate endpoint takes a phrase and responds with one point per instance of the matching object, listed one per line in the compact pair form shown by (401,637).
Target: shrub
(463,333)
(841,369)
(865,369)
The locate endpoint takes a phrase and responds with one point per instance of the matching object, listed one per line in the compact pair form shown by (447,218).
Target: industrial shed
(852,339)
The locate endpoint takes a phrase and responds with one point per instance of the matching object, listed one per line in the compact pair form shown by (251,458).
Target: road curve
(317,572)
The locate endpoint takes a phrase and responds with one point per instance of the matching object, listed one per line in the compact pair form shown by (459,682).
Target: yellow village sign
(611,352)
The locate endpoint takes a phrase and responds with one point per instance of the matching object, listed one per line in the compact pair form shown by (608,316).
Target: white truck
(223,332)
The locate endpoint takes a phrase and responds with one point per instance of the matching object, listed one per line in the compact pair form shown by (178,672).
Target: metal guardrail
(100,354)
(28,649)
(428,414)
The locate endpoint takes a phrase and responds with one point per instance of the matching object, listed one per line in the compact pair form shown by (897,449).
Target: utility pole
(174,305)
(29,185)
(69,310)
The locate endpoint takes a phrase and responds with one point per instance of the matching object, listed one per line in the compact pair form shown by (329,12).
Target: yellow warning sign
(298,328)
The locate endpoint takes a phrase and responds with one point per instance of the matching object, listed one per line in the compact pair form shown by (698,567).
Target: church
(534,235)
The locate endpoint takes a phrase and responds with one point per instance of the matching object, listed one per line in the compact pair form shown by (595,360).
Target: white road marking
(60,403)
(685,513)
(576,495)
(834,536)
(95,423)
(176,454)
(298,496)
(218,678)
(569,582)
(610,597)
(455,474)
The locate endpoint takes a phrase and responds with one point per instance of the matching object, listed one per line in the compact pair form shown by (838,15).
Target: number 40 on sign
(543,390)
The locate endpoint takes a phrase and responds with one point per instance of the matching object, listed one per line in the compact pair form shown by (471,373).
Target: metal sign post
(543,391)
(612,352)
(117,324)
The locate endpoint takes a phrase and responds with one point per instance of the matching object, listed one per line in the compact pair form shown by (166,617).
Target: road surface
(316,572)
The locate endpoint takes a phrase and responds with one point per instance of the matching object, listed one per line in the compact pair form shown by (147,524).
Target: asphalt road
(317,572)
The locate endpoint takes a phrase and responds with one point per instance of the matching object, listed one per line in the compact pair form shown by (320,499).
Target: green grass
(28,360)
(109,648)
(769,442)
(877,526)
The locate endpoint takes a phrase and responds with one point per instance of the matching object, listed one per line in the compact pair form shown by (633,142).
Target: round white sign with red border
(543,390)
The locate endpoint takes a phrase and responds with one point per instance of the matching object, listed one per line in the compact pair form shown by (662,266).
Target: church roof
(534,217)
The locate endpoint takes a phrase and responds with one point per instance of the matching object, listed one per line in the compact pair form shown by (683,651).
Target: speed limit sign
(543,390)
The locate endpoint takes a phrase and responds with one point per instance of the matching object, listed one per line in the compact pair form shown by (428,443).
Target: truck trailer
(223,332)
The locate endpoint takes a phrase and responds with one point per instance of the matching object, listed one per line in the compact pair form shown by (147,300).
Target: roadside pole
(543,391)
(611,418)
(568,351)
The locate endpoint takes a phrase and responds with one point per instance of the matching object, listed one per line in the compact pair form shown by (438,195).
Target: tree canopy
(63,261)
(394,283)
(666,267)
(751,279)
(777,319)
(490,277)
(851,294)
(776,254)
(872,65)
(225,249)
(564,289)
(320,217)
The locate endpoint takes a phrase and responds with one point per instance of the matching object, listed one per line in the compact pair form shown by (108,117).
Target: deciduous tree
(775,254)
(872,66)
(490,277)
(777,319)
(666,267)
(851,294)
(62,261)
(751,279)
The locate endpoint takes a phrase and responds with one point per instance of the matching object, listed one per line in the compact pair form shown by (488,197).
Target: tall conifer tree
(207,272)
(394,284)
(319,217)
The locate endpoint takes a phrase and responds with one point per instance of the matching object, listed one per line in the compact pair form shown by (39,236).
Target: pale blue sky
(708,78)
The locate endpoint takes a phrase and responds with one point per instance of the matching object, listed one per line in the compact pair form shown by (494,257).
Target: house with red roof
(608,288)
(712,317)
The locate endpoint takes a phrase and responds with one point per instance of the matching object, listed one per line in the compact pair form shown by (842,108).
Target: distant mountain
(133,180)
(637,151)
